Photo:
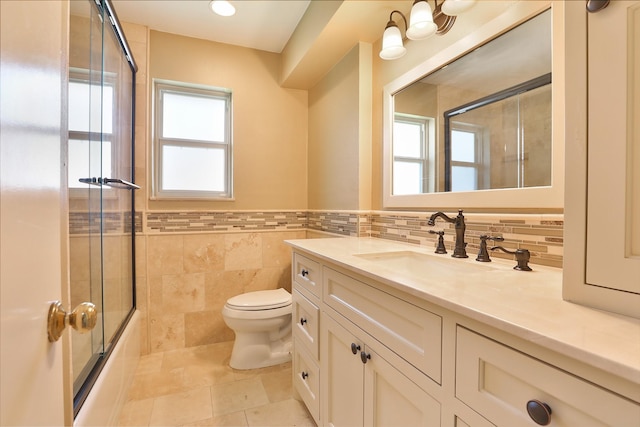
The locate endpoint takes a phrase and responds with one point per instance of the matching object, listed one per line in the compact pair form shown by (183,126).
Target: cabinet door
(393,399)
(342,380)
(602,266)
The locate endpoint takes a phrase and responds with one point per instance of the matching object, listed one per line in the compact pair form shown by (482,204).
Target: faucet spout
(460,228)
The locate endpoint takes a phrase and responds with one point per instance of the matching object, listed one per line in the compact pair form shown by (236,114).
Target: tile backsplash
(541,234)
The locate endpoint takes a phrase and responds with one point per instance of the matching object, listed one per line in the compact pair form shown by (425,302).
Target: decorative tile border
(542,235)
(345,223)
(114,222)
(174,222)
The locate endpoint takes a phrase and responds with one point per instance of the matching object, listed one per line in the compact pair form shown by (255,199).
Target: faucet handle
(522,257)
(441,248)
(483,254)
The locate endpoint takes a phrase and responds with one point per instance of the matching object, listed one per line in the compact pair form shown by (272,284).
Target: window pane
(464,178)
(83,119)
(195,117)
(85,161)
(193,168)
(407,178)
(407,140)
(463,146)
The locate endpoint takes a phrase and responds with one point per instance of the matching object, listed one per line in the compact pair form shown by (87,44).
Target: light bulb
(421,23)
(392,47)
(456,7)
(222,7)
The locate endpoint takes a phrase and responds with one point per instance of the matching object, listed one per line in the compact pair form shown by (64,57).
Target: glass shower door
(86,123)
(117,189)
(100,172)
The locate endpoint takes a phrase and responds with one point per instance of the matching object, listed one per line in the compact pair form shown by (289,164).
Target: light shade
(222,7)
(421,23)
(456,7)
(392,47)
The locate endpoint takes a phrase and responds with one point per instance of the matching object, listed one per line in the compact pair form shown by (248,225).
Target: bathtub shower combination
(101,175)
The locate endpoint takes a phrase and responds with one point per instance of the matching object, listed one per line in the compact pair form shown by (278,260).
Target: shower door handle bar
(91,181)
(120,183)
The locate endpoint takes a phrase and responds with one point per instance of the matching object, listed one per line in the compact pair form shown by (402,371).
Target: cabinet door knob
(303,320)
(355,348)
(304,375)
(539,412)
(304,273)
(364,357)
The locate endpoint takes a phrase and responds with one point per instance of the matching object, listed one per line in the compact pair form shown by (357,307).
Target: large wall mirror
(475,131)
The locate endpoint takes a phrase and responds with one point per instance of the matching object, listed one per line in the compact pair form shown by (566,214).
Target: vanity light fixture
(222,7)
(423,23)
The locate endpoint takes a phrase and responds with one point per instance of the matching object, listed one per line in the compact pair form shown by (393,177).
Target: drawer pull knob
(364,357)
(355,348)
(304,273)
(303,320)
(304,375)
(539,412)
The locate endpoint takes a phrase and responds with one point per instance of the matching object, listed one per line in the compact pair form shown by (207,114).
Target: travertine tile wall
(190,277)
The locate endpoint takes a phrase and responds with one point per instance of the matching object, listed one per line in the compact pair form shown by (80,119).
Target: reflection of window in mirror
(413,171)
(494,99)
(467,158)
(91,106)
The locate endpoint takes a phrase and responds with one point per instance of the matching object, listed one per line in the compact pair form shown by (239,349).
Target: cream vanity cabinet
(364,382)
(368,353)
(510,388)
(307,279)
(602,196)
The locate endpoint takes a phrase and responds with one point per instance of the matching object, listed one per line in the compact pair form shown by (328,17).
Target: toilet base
(249,354)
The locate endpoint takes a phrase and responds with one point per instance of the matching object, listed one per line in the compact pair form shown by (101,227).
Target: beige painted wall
(340,136)
(269,122)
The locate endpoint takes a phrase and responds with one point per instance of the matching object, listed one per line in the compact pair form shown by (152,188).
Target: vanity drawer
(306,379)
(498,382)
(307,274)
(411,332)
(306,323)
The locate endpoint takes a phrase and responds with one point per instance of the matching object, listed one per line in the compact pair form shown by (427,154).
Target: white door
(34,380)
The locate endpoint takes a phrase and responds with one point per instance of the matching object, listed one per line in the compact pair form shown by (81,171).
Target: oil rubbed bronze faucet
(459,250)
(522,257)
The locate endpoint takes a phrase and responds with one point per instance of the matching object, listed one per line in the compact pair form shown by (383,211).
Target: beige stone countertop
(526,304)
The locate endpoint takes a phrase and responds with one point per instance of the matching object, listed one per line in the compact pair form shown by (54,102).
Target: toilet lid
(260,300)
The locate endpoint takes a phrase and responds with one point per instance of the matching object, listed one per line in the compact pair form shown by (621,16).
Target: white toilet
(262,323)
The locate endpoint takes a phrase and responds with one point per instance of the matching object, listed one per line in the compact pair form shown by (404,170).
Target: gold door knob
(83,318)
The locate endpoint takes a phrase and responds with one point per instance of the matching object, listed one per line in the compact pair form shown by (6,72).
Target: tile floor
(196,387)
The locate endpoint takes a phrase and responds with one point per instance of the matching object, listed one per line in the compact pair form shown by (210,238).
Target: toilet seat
(260,300)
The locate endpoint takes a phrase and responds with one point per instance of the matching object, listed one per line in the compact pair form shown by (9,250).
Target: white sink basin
(416,263)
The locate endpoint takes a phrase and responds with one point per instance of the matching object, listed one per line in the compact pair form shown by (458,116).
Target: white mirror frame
(549,198)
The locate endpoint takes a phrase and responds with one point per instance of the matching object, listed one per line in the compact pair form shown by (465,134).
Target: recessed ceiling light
(222,7)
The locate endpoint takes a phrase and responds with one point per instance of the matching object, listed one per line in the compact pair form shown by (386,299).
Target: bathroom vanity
(388,333)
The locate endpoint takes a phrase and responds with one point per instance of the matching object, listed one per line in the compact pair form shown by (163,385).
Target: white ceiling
(259,24)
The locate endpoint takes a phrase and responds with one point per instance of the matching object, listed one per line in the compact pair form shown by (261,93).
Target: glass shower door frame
(110,213)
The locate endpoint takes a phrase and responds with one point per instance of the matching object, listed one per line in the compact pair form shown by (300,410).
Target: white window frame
(481,156)
(83,76)
(158,192)
(427,149)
